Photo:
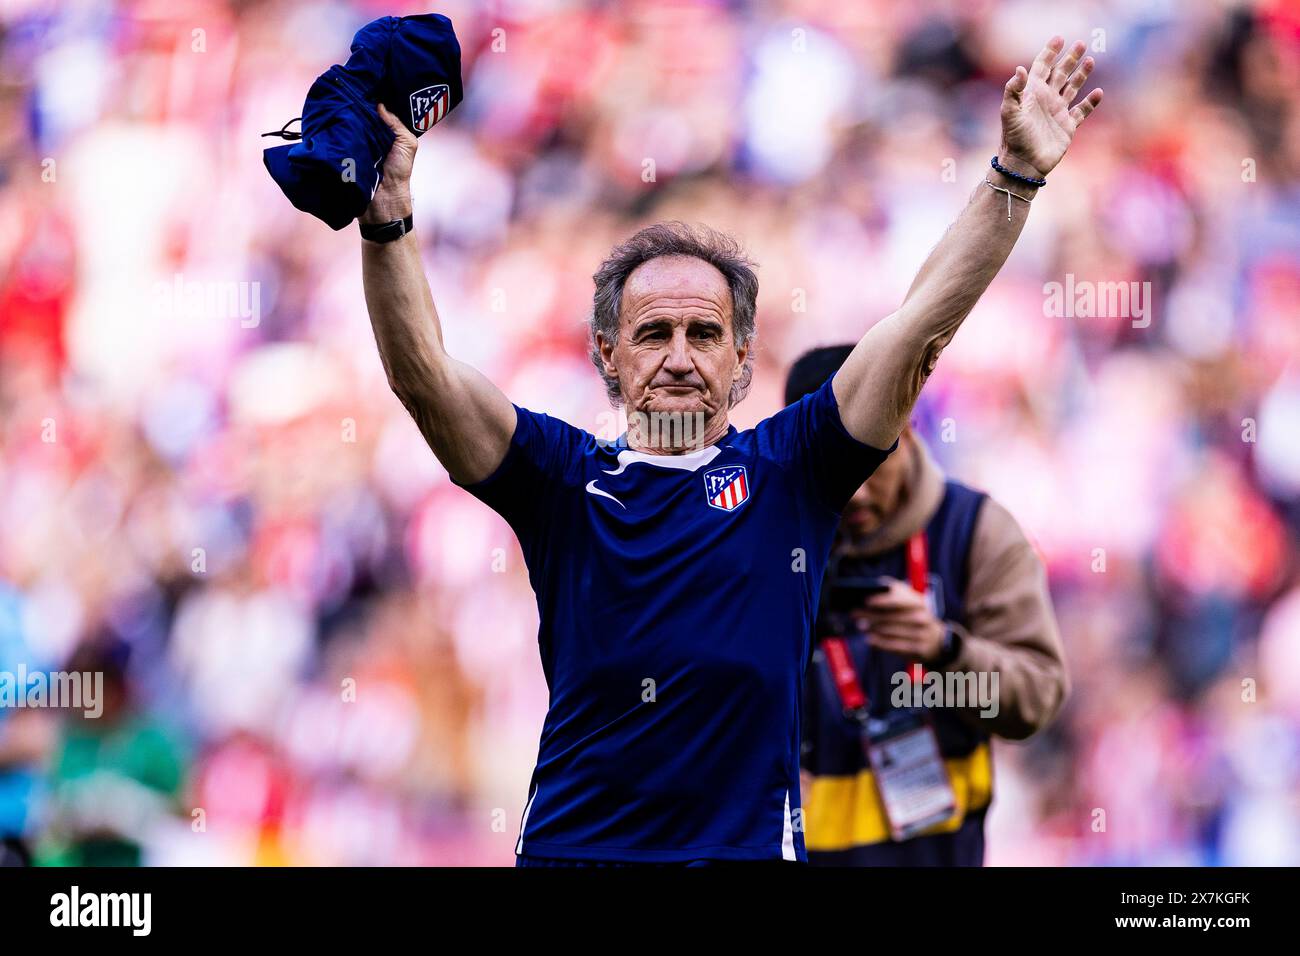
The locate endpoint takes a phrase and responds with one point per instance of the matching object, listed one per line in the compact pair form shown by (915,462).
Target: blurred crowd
(318,651)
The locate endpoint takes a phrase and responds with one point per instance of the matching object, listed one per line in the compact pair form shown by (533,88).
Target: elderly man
(677,579)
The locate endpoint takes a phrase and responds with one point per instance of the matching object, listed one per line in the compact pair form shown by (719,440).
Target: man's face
(675,351)
(881,494)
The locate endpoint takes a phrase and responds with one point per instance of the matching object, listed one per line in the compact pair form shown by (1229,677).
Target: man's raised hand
(1038,123)
(392,200)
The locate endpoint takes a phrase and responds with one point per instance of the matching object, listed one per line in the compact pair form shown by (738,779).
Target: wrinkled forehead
(678,283)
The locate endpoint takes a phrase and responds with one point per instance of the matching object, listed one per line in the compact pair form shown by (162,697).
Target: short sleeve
(810,440)
(543,456)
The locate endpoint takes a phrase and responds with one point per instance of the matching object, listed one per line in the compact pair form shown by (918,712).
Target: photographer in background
(929,579)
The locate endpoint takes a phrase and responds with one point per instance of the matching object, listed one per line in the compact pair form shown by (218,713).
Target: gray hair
(676,239)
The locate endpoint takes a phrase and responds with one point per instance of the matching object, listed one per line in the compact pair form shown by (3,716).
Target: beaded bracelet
(1024,179)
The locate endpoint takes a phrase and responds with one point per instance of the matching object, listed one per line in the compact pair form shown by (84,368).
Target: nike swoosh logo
(591,487)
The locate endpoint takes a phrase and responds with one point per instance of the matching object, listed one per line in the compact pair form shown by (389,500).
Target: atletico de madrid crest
(726,488)
(429,105)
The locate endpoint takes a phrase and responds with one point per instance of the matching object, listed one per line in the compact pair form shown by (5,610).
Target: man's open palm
(1038,123)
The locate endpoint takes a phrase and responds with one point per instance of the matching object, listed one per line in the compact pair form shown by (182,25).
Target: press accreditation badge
(910,774)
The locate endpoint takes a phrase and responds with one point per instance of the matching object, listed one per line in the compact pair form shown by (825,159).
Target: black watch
(387,231)
(951,648)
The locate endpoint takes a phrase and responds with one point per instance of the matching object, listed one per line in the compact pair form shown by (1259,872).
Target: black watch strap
(951,647)
(387,231)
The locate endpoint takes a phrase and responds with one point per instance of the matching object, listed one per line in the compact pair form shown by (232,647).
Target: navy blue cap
(411,65)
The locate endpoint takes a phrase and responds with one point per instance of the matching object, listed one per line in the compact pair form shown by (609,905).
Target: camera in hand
(845,590)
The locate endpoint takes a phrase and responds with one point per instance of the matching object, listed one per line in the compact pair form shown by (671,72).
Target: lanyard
(843,672)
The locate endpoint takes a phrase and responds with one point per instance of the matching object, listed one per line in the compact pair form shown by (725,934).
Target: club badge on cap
(332,168)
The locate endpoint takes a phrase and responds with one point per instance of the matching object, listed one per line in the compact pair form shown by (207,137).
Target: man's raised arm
(880,381)
(467,421)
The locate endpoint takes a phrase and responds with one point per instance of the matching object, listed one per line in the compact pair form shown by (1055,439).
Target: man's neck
(673,433)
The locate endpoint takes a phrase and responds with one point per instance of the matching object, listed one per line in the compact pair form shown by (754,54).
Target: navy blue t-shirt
(677,595)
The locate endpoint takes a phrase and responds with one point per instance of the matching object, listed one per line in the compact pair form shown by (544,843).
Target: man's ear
(742,353)
(606,349)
